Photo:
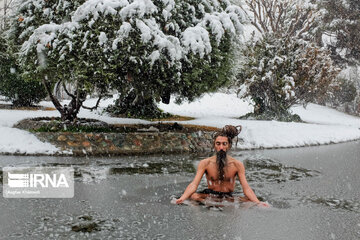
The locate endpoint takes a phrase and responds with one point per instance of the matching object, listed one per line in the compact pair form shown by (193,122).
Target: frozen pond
(315,193)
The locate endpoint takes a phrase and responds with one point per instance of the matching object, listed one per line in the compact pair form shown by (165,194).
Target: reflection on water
(153,168)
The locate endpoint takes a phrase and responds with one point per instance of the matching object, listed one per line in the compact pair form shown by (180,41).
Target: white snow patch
(102,38)
(196,40)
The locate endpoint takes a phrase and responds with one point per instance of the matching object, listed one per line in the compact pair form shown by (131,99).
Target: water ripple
(267,170)
(343,204)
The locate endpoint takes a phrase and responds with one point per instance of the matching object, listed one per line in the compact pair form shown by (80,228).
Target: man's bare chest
(212,173)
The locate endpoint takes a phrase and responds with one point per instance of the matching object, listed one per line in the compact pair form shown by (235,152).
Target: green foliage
(267,74)
(51,51)
(347,91)
(146,110)
(185,73)
(270,115)
(12,85)
(74,128)
(209,74)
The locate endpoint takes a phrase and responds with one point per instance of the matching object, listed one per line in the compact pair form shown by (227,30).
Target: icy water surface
(314,193)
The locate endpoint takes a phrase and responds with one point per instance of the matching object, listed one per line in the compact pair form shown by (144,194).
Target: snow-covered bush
(283,65)
(40,31)
(12,85)
(143,48)
(177,47)
(278,73)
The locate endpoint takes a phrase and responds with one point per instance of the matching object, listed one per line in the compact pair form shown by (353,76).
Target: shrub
(13,86)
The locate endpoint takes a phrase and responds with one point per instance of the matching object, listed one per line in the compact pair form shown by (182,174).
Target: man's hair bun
(228,131)
(231,131)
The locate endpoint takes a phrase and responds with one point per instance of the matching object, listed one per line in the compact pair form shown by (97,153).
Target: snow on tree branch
(196,40)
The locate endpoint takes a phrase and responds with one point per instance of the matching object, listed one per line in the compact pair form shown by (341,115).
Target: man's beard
(221,160)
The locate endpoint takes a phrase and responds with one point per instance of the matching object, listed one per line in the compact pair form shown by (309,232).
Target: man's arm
(191,188)
(249,193)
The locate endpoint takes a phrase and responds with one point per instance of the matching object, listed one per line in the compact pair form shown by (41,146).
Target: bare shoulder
(239,165)
(205,162)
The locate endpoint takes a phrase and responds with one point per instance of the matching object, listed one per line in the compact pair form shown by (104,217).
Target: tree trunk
(67,112)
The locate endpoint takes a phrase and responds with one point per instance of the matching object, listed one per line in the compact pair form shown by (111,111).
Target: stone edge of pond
(140,140)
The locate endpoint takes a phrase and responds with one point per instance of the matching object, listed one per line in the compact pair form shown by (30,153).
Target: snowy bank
(324,125)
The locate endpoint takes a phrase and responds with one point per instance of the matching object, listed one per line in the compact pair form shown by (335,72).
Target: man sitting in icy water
(221,170)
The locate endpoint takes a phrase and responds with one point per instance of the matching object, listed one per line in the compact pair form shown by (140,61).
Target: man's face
(222,143)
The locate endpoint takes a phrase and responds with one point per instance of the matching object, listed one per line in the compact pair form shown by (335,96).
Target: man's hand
(263,204)
(179,201)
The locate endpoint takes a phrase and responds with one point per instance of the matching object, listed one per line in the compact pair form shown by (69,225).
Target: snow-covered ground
(324,125)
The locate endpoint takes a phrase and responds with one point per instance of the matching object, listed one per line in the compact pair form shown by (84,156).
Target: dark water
(314,193)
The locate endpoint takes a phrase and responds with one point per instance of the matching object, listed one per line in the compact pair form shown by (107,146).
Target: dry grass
(186,127)
(173,118)
(201,127)
(32,108)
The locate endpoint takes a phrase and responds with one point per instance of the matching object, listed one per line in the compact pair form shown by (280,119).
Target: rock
(87,226)
(86,144)
(176,126)
(85,217)
(62,138)
(150,129)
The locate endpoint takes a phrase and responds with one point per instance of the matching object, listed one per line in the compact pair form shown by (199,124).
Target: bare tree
(290,18)
(5,10)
